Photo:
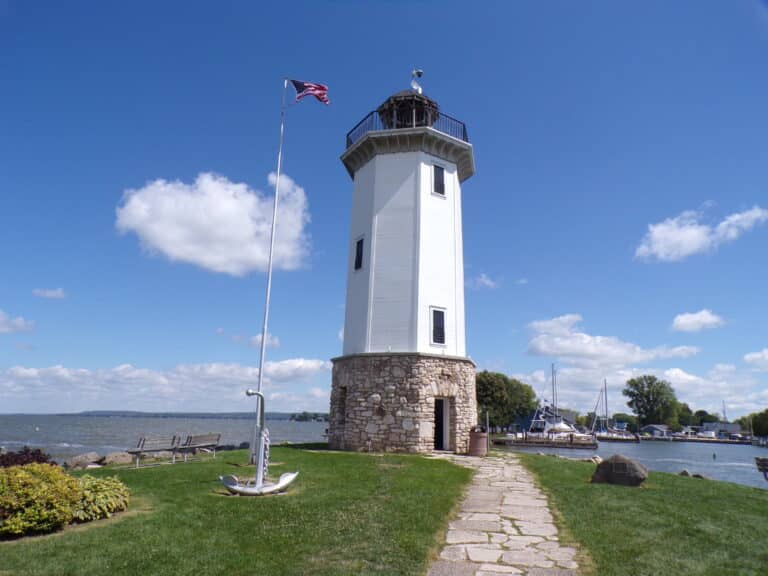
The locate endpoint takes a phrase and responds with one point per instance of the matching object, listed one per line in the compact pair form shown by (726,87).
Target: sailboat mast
(554,390)
(597,406)
(605,395)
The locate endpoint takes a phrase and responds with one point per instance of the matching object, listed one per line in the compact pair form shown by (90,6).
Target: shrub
(24,456)
(101,497)
(36,498)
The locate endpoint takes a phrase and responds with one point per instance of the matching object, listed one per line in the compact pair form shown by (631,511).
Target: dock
(694,439)
(530,441)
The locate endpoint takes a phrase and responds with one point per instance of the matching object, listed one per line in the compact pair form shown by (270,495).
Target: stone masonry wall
(385,402)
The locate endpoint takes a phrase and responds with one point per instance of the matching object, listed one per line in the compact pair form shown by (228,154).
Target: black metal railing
(434,119)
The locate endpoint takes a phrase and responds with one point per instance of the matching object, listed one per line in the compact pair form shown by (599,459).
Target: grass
(346,514)
(670,525)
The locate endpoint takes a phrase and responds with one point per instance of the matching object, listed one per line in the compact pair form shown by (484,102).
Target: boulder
(117,458)
(82,460)
(685,473)
(619,469)
(700,476)
(161,455)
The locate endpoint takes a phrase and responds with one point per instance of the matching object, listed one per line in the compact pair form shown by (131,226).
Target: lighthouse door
(441,424)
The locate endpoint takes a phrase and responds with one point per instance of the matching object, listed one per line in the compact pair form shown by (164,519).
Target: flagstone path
(504,526)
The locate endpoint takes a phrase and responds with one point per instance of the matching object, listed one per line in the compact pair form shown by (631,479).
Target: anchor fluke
(248,488)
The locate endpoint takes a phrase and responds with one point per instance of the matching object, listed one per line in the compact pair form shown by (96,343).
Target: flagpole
(260,414)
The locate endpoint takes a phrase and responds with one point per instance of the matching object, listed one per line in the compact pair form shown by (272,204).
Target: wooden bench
(149,444)
(193,443)
(762,466)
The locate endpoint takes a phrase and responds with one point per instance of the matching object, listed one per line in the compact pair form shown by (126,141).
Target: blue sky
(617,223)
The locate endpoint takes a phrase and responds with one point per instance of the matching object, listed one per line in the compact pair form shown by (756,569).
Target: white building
(404,381)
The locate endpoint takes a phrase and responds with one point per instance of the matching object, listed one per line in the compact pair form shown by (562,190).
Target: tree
(685,416)
(702,416)
(504,398)
(757,422)
(653,400)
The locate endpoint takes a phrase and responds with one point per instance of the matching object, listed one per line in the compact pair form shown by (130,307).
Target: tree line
(757,422)
(652,400)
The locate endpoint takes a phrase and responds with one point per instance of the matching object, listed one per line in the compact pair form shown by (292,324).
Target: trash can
(478,443)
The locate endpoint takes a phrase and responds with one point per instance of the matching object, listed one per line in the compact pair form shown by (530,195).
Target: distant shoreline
(136,414)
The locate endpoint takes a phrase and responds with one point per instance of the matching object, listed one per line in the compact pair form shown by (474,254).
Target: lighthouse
(404,382)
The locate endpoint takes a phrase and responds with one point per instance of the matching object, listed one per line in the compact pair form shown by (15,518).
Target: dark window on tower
(359,254)
(438,326)
(439,180)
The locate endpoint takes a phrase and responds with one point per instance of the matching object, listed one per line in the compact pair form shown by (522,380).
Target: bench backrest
(202,440)
(158,443)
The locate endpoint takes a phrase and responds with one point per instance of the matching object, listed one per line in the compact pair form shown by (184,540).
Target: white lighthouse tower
(404,382)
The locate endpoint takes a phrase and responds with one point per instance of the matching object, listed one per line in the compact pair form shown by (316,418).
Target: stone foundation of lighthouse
(402,402)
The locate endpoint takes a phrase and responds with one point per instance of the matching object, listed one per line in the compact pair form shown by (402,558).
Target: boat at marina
(601,424)
(549,428)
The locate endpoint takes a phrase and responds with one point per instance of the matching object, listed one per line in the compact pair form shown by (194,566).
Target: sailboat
(601,425)
(548,422)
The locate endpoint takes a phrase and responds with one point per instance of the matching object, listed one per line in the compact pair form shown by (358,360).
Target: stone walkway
(504,526)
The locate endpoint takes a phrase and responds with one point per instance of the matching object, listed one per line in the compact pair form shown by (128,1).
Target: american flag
(319,91)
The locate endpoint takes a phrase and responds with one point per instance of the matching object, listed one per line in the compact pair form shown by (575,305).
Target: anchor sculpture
(257,486)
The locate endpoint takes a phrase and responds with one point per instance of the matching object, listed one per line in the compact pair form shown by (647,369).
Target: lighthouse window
(438,180)
(438,326)
(359,254)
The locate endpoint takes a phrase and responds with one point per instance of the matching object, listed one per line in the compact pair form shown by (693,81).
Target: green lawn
(670,525)
(346,514)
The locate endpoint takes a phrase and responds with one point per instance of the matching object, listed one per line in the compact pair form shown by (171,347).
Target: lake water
(66,435)
(727,462)
(62,436)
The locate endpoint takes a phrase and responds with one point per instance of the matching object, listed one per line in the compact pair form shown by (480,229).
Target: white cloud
(9,325)
(579,386)
(758,359)
(677,238)
(740,391)
(294,369)
(559,338)
(52,293)
(340,334)
(217,224)
(319,393)
(187,387)
(483,281)
(535,379)
(722,369)
(561,325)
(585,360)
(254,341)
(522,281)
(272,341)
(696,321)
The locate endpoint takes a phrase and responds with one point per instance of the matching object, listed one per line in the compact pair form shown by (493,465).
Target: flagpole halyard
(258,443)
